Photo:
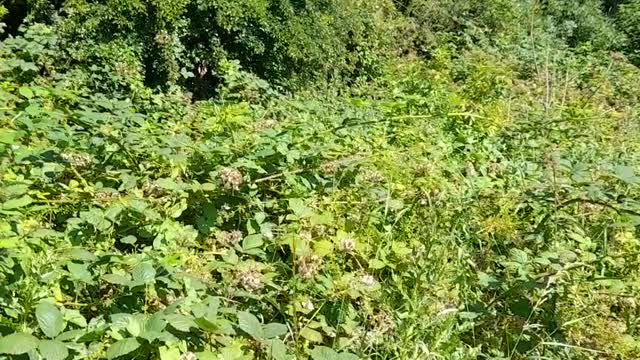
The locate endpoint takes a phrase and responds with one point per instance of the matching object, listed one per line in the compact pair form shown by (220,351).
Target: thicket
(324,179)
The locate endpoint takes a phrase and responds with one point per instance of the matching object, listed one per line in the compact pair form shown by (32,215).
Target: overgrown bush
(479,200)
(185,42)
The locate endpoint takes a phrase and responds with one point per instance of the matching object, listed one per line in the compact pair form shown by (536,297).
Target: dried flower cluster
(250,279)
(188,356)
(230,178)
(151,189)
(367,280)
(77,160)
(308,266)
(104,197)
(230,238)
(373,176)
(347,244)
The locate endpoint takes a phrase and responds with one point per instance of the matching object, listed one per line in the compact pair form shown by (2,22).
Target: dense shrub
(184,42)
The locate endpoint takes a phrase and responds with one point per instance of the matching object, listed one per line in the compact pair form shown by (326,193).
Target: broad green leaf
(122,347)
(181,322)
(130,239)
(116,279)
(626,174)
(80,272)
(26,92)
(347,356)
(323,247)
(323,353)
(207,355)
(519,256)
(321,219)
(17,203)
(274,330)
(50,319)
(8,136)
(18,343)
(144,273)
(169,353)
(74,316)
(53,350)
(134,326)
(252,242)
(376,264)
(299,208)
(250,324)
(206,324)
(311,335)
(81,255)
(276,349)
(15,190)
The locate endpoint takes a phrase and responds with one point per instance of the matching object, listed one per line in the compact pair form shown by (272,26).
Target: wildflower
(230,178)
(470,170)
(229,238)
(151,188)
(308,305)
(382,322)
(305,236)
(77,160)
(331,167)
(250,279)
(188,356)
(308,266)
(367,280)
(424,169)
(373,176)
(347,244)
(266,124)
(105,197)
(494,169)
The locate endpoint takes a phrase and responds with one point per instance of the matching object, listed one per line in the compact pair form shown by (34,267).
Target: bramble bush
(477,200)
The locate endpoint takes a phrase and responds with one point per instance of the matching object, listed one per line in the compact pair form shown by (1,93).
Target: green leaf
(17,203)
(347,356)
(26,92)
(50,319)
(181,322)
(129,240)
(276,349)
(80,272)
(376,264)
(18,343)
(74,317)
(122,347)
(116,279)
(167,353)
(323,247)
(274,330)
(321,219)
(8,136)
(81,255)
(626,174)
(207,355)
(250,324)
(53,350)
(252,242)
(311,335)
(323,353)
(144,273)
(519,256)
(134,326)
(486,280)
(299,208)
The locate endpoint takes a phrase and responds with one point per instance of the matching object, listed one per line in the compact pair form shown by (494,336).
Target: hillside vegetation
(319,179)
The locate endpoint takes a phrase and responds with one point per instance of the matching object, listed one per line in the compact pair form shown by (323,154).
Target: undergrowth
(483,203)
